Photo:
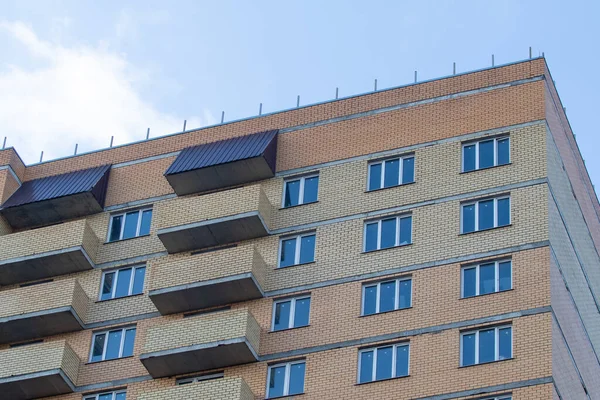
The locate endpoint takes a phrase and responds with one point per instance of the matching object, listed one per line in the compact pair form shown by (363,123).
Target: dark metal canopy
(57,198)
(224,163)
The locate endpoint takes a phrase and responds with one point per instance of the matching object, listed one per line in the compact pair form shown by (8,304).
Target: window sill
(103,361)
(390,187)
(120,298)
(382,380)
(487,294)
(485,230)
(486,363)
(387,248)
(290,329)
(486,168)
(385,312)
(295,265)
(284,397)
(299,205)
(124,240)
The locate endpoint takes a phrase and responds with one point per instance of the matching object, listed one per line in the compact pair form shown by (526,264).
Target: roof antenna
(493,63)
(111,141)
(260,109)
(454,68)
(184,124)
(415,76)
(148,134)
(298,101)
(75,152)
(4,143)
(41,156)
(337,92)
(375,86)
(222,116)
(530,54)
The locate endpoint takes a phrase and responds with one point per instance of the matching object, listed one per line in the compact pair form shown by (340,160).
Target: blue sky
(82,71)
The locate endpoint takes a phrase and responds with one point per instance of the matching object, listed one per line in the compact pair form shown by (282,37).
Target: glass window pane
(366,367)
(387,296)
(505,275)
(503,151)
(276,381)
(408,170)
(138,280)
(405,293)
(107,286)
(469,157)
(392,173)
(469,282)
(307,249)
(486,214)
(374,176)
(114,345)
(282,315)
(487,278)
(468,218)
(292,193)
(370,300)
(145,224)
(131,221)
(371,237)
(311,189)
(297,378)
(98,347)
(486,154)
(505,343)
(402,360)
(503,212)
(128,343)
(105,396)
(115,229)
(405,230)
(302,312)
(384,363)
(468,349)
(120,396)
(288,252)
(388,233)
(123,281)
(487,345)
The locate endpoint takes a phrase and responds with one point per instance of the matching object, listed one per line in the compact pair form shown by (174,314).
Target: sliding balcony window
(391,172)
(386,296)
(302,190)
(286,379)
(129,224)
(122,282)
(385,362)
(485,345)
(291,313)
(200,378)
(485,278)
(485,214)
(388,232)
(297,250)
(118,395)
(112,344)
(485,153)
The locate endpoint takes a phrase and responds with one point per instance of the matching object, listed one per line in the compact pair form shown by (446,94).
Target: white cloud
(74,95)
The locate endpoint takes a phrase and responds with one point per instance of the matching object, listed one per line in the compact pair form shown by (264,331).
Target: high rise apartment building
(432,241)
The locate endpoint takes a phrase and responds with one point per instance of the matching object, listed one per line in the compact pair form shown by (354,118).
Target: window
(130,224)
(388,232)
(302,190)
(286,379)
(113,344)
(486,153)
(504,397)
(384,362)
(386,296)
(392,172)
(118,395)
(122,282)
(486,345)
(489,277)
(208,377)
(291,313)
(297,250)
(485,214)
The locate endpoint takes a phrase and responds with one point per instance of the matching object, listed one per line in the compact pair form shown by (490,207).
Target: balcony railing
(184,283)
(229,216)
(42,310)
(222,389)
(38,370)
(203,342)
(47,252)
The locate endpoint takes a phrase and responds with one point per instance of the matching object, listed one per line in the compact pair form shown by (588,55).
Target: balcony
(47,252)
(222,389)
(38,370)
(205,280)
(200,343)
(42,310)
(192,223)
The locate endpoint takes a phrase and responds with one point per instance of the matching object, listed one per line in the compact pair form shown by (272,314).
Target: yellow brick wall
(217,389)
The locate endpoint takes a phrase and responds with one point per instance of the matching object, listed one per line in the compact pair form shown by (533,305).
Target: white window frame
(382,178)
(117,273)
(302,179)
(96,396)
(292,312)
(476,204)
(121,345)
(374,350)
(496,139)
(496,273)
(379,222)
(200,378)
(298,247)
(378,297)
(496,343)
(124,215)
(286,382)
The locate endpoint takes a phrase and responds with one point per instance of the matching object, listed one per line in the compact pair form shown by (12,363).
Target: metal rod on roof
(260,109)
(454,68)
(148,134)
(298,101)
(530,54)
(4,143)
(493,60)
(415,76)
(75,152)
(543,55)
(42,156)
(222,116)
(337,92)
(111,141)
(184,124)
(375,86)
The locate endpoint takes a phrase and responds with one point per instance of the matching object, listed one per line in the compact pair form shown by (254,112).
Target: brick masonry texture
(224,389)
